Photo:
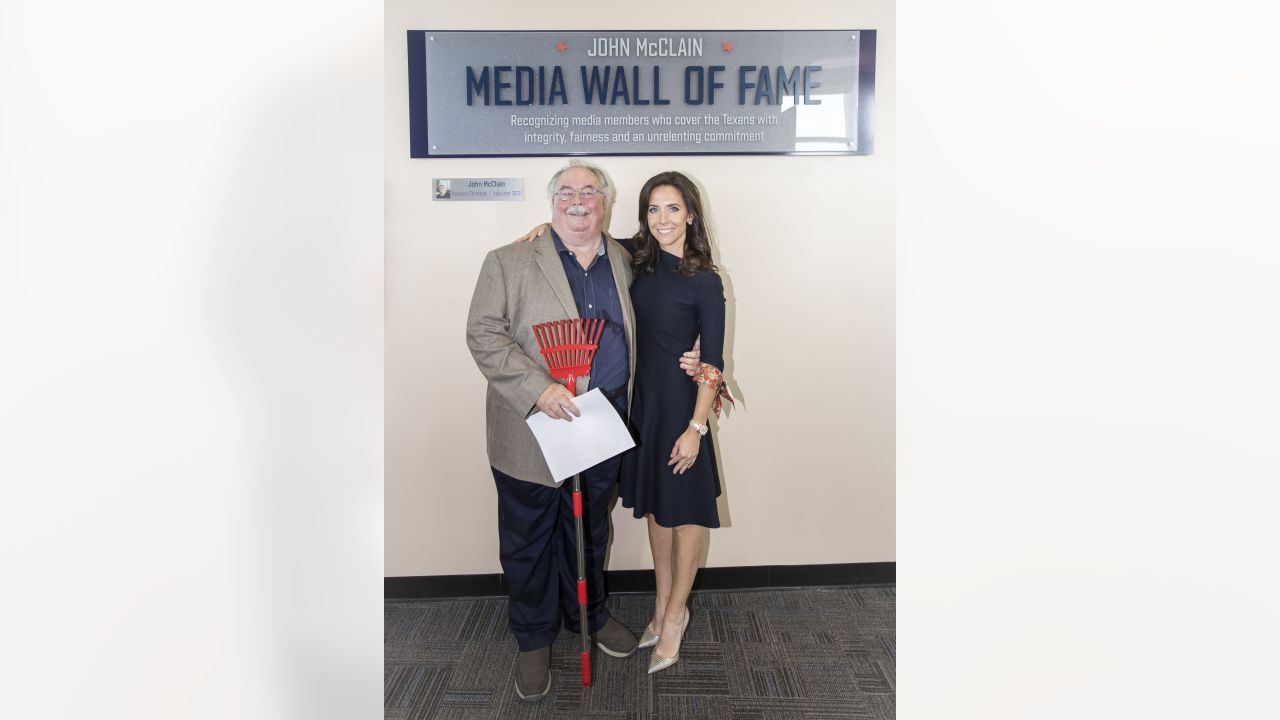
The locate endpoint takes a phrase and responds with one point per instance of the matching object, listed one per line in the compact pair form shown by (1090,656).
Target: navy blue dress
(671,311)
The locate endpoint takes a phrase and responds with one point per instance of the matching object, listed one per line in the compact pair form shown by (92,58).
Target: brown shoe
(615,639)
(533,674)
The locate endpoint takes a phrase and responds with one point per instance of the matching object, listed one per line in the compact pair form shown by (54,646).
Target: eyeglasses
(586,193)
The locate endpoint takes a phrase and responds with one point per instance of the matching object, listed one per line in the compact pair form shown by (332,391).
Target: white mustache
(577,209)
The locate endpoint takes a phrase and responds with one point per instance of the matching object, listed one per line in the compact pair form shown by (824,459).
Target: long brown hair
(697,242)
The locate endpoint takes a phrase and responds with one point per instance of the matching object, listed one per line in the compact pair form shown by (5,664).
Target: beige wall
(806,248)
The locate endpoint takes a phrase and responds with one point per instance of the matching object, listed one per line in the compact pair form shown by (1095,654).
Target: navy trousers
(538,550)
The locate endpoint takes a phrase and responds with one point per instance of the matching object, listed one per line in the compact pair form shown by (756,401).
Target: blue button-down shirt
(596,295)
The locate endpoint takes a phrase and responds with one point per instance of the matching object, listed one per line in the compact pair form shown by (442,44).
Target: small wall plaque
(477,188)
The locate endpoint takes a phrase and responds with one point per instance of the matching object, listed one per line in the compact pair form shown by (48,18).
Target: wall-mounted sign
(703,92)
(477,188)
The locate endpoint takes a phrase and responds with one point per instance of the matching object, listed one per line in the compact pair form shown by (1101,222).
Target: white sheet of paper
(571,447)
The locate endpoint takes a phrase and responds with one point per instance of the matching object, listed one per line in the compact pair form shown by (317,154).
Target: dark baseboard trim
(750,577)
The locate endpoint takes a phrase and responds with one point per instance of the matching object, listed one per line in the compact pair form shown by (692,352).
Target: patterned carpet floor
(778,654)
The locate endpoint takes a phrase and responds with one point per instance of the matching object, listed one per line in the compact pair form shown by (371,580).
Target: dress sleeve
(710,298)
(627,244)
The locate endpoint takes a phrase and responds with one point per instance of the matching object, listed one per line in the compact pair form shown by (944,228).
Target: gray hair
(606,185)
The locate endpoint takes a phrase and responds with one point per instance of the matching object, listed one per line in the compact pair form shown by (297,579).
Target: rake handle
(582,583)
(571,381)
(569,347)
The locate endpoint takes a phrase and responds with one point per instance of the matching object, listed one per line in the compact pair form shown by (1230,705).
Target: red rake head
(568,346)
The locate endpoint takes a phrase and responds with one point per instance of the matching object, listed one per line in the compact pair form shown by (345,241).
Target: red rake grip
(582,592)
(569,346)
(586,669)
(577,504)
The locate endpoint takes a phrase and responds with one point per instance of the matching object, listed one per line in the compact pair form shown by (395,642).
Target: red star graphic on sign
(728,46)
(561,47)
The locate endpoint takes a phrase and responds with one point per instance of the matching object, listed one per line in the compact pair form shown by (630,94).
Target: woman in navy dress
(670,478)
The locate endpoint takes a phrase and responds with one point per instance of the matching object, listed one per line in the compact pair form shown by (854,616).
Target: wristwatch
(700,427)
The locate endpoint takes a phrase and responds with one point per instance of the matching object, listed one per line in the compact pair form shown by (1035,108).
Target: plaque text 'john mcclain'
(645,47)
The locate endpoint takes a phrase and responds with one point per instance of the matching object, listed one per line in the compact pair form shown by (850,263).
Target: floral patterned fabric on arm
(712,377)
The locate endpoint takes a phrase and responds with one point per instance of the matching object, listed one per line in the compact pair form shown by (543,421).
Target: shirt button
(589,306)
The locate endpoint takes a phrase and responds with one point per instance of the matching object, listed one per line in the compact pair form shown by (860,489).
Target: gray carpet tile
(802,653)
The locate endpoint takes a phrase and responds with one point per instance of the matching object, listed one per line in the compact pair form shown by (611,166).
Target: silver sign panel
(490,93)
(477,189)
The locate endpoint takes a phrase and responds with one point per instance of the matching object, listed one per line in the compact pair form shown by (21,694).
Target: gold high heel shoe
(657,662)
(648,639)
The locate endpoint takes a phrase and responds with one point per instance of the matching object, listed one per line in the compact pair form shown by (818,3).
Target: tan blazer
(522,284)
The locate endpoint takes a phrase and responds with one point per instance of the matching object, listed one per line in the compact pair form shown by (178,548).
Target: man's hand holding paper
(571,447)
(557,402)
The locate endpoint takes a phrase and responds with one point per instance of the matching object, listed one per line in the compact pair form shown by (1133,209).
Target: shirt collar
(560,247)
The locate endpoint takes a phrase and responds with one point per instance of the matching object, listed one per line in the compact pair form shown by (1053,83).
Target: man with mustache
(572,269)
